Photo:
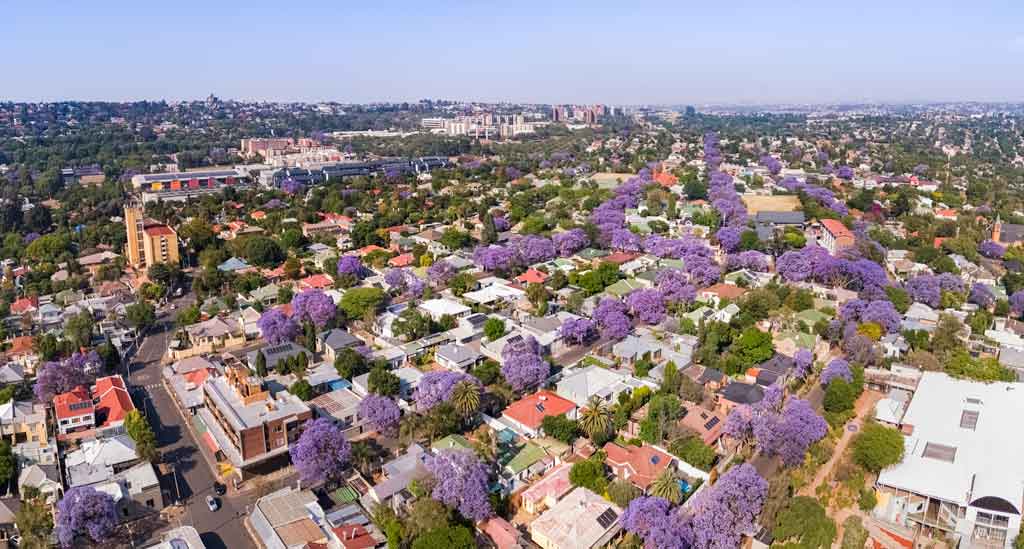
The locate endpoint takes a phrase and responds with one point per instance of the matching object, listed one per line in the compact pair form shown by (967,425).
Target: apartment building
(149,242)
(246,422)
(835,236)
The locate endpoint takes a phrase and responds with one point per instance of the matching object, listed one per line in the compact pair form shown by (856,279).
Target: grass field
(787,203)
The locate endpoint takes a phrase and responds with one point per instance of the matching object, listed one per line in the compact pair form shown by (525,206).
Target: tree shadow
(212,540)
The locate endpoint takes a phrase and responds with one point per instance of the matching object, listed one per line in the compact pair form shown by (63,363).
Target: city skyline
(658,53)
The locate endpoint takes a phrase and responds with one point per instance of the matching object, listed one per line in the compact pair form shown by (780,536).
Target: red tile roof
(640,465)
(159,230)
(354,536)
(836,228)
(21,345)
(62,403)
(403,260)
(365,250)
(320,281)
(114,402)
(25,305)
(532,276)
(531,410)
(619,258)
(725,291)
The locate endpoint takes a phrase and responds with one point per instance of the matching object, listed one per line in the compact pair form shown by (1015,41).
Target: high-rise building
(149,242)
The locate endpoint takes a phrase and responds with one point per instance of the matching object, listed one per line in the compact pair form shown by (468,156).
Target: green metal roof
(529,454)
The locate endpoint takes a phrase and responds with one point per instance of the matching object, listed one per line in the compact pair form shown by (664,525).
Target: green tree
(466,398)
(590,473)
(411,325)
(494,328)
(302,389)
(840,396)
(359,303)
(804,524)
(752,347)
(596,419)
(262,251)
(426,514)
(461,283)
(383,382)
(877,447)
(621,492)
(667,486)
(108,353)
(350,363)
(449,537)
(140,315)
(261,364)
(855,535)
(560,428)
(34,520)
(141,433)
(692,450)
(78,329)
(488,372)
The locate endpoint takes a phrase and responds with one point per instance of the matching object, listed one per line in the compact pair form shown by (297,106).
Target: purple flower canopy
(837,368)
(441,272)
(647,305)
(522,364)
(727,510)
(380,411)
(351,265)
(313,306)
(569,242)
(276,327)
(610,315)
(322,451)
(461,481)
(85,512)
(437,387)
(578,330)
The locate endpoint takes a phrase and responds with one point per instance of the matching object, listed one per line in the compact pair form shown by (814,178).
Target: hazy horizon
(654,53)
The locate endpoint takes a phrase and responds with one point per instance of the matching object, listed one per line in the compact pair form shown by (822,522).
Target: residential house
(112,403)
(640,465)
(437,309)
(717,293)
(738,394)
(408,379)
(526,415)
(44,478)
(288,518)
(210,336)
(706,424)
(185,379)
(835,236)
(333,341)
(581,520)
(545,493)
(961,473)
(23,422)
(455,357)
(341,407)
(396,475)
(580,384)
(136,491)
(98,460)
(74,411)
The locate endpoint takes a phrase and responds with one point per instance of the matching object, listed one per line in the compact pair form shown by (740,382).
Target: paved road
(193,478)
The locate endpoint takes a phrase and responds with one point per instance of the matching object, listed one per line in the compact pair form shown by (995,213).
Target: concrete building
(835,236)
(149,242)
(581,520)
(247,424)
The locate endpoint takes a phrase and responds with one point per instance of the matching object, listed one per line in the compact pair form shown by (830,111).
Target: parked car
(219,489)
(212,503)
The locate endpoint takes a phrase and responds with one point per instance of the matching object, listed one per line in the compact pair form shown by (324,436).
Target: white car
(211,502)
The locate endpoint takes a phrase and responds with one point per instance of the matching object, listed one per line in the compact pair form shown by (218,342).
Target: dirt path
(864,405)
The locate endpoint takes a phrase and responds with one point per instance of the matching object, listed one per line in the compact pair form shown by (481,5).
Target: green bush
(877,447)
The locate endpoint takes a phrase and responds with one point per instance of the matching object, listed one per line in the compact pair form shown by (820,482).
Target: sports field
(786,203)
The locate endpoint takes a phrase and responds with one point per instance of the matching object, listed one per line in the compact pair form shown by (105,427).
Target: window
(969,419)
(149,503)
(940,452)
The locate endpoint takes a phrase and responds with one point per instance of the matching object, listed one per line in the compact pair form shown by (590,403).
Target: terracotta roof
(532,276)
(619,258)
(725,291)
(354,536)
(24,304)
(114,402)
(21,345)
(836,228)
(320,281)
(531,410)
(159,230)
(403,260)
(365,250)
(643,463)
(62,403)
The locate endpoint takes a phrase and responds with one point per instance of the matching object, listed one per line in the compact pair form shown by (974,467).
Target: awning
(210,442)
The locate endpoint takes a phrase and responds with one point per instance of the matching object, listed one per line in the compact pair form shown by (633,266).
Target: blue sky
(549,52)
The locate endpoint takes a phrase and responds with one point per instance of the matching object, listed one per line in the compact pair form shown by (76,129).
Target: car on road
(212,503)
(219,488)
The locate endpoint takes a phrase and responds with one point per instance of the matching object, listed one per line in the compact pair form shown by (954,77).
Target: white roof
(979,462)
(440,307)
(578,521)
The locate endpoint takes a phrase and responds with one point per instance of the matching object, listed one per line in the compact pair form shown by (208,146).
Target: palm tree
(361,456)
(667,486)
(596,418)
(466,398)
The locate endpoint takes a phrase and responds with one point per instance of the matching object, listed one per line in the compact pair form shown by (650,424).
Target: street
(192,478)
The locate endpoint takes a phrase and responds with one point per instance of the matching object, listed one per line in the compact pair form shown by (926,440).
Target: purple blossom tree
(521,363)
(1017,303)
(569,242)
(291,186)
(729,508)
(85,513)
(729,238)
(611,318)
(578,330)
(625,240)
(381,412)
(88,362)
(461,482)
(313,306)
(884,314)
(675,287)
(803,360)
(837,368)
(534,249)
(54,378)
(494,258)
(437,387)
(797,429)
(501,224)
(276,327)
(981,295)
(750,260)
(845,172)
(648,305)
(350,265)
(440,272)
(991,249)
(322,451)
(739,424)
(403,281)
(653,520)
